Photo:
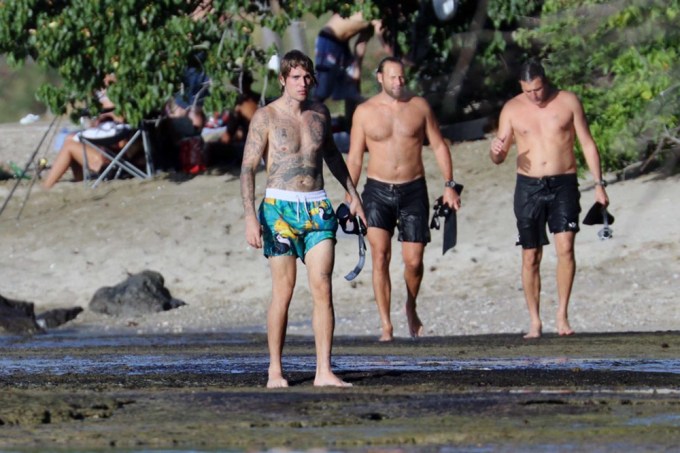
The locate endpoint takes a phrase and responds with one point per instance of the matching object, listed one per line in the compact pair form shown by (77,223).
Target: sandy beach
(72,240)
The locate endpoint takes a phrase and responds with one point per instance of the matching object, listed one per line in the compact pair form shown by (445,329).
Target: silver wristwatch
(450,183)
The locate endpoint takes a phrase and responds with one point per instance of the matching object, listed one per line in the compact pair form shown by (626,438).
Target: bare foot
(387,334)
(330,380)
(415,326)
(564,329)
(276,381)
(535,331)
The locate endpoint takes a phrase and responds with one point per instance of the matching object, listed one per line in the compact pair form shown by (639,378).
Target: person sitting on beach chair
(73,154)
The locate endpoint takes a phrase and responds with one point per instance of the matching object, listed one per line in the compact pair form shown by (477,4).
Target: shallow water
(158,364)
(85,339)
(64,354)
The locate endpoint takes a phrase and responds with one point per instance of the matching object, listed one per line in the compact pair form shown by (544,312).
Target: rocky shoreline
(206,392)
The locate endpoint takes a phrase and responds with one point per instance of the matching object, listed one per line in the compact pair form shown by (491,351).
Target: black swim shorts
(553,200)
(405,206)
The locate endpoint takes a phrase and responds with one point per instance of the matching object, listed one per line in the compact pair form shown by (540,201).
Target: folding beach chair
(103,139)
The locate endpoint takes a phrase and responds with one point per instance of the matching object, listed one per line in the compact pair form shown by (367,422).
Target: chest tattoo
(316,129)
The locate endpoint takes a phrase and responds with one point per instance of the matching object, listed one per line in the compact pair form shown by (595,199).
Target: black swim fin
(450,221)
(596,215)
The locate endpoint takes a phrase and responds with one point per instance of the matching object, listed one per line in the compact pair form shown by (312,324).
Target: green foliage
(619,57)
(460,65)
(507,12)
(148,44)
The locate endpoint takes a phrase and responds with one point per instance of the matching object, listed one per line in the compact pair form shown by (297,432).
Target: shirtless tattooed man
(543,121)
(295,219)
(393,126)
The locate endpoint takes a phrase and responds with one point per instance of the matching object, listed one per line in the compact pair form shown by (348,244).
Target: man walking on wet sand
(544,121)
(296,219)
(393,126)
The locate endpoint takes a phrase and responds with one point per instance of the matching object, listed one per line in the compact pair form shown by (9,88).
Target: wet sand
(602,392)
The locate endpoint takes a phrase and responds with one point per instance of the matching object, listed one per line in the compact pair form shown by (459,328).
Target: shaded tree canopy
(620,56)
(148,44)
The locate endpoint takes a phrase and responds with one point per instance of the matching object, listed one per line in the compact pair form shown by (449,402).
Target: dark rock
(57,317)
(140,293)
(18,317)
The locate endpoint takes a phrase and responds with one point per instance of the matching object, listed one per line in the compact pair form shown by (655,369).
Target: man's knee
(531,258)
(282,289)
(320,284)
(564,245)
(413,265)
(381,255)
(381,265)
(412,255)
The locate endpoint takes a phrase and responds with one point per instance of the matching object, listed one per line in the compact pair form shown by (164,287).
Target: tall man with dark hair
(296,219)
(393,126)
(544,121)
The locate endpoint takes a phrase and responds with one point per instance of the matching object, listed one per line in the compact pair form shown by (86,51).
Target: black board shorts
(404,206)
(551,200)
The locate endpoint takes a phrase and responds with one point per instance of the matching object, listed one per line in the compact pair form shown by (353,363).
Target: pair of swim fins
(598,215)
(450,221)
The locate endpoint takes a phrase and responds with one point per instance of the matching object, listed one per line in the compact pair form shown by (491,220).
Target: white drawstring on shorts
(298,197)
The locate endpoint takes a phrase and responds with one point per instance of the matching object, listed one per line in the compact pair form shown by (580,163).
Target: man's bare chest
(385,125)
(542,124)
(293,136)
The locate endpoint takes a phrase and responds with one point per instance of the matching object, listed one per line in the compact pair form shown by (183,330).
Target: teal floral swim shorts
(294,222)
